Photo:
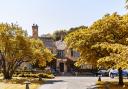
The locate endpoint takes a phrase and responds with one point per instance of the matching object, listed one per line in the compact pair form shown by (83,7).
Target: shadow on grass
(95,87)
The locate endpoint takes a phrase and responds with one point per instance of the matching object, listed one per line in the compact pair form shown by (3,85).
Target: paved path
(70,83)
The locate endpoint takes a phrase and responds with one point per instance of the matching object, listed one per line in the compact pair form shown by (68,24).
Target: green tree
(103,43)
(59,35)
(76,28)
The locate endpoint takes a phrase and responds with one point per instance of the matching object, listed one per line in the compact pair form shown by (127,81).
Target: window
(74,53)
(60,53)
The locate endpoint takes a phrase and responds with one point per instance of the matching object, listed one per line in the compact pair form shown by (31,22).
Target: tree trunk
(7,75)
(8,68)
(120,77)
(6,71)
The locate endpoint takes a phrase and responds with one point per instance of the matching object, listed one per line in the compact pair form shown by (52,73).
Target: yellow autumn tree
(104,43)
(40,53)
(16,47)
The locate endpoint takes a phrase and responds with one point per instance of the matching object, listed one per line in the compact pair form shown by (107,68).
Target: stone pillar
(65,67)
(58,65)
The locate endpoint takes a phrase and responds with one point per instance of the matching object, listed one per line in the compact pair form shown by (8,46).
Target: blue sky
(53,15)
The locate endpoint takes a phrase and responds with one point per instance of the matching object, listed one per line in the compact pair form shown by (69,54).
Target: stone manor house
(65,57)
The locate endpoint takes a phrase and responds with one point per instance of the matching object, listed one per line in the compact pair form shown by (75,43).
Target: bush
(28,75)
(43,75)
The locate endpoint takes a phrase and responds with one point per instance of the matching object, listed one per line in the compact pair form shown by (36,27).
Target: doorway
(61,67)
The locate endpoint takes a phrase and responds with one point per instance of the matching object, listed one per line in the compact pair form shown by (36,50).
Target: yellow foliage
(17,47)
(104,42)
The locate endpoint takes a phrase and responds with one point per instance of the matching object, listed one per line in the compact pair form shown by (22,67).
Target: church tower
(35,31)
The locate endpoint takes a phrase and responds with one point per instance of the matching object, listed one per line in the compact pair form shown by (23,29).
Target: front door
(61,67)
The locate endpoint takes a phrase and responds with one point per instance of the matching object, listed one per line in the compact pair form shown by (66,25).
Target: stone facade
(35,31)
(65,57)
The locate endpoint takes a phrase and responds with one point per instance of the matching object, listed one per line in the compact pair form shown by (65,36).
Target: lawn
(112,84)
(18,83)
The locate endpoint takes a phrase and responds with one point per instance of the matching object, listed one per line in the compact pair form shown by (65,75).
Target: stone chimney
(35,31)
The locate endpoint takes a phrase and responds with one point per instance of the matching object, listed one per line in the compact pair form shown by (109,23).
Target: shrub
(28,75)
(43,75)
